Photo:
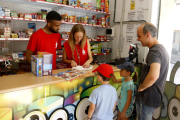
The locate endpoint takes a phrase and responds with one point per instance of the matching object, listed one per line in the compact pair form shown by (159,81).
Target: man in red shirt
(46,39)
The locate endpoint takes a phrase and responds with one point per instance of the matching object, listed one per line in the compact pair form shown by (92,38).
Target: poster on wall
(130,28)
(129,34)
(129,39)
(140,14)
(131,15)
(135,34)
(132,5)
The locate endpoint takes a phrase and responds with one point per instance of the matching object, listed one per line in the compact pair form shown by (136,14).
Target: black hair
(105,78)
(53,15)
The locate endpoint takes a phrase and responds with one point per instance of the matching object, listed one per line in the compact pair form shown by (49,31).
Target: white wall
(166,25)
(151,13)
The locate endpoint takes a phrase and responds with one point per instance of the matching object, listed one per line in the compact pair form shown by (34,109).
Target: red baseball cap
(104,69)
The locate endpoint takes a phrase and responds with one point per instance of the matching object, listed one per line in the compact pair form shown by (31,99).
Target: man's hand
(140,89)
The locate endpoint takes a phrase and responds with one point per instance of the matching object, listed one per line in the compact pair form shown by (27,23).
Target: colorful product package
(107,19)
(73,2)
(32,26)
(49,0)
(98,5)
(78,3)
(106,50)
(47,62)
(57,1)
(101,37)
(95,46)
(103,21)
(96,50)
(103,5)
(36,65)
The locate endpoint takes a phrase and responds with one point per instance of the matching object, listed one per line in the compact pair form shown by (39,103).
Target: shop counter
(28,97)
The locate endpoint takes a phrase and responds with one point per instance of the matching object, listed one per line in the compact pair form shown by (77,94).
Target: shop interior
(111,28)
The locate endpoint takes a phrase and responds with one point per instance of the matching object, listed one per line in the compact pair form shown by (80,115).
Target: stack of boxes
(96,48)
(6,12)
(1,12)
(73,2)
(102,5)
(5,32)
(41,64)
(14,14)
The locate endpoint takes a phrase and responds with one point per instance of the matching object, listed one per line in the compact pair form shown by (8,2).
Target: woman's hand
(86,64)
(73,63)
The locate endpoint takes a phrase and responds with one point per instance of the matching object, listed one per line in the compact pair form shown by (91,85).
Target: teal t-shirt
(124,93)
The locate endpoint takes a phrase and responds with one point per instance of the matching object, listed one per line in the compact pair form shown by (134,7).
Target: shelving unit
(63,39)
(57,6)
(39,20)
(31,6)
(57,56)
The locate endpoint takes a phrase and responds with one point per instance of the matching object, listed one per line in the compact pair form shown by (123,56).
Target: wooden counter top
(13,83)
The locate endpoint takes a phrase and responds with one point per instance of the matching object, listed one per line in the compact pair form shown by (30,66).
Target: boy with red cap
(103,99)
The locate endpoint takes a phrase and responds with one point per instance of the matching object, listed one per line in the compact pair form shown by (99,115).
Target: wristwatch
(89,118)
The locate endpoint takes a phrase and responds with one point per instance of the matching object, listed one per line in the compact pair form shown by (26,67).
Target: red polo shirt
(43,42)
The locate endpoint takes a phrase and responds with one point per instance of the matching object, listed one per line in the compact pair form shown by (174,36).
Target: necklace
(77,55)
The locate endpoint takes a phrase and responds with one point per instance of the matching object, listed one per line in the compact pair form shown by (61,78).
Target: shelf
(94,54)
(100,40)
(14,39)
(62,39)
(57,56)
(38,20)
(57,6)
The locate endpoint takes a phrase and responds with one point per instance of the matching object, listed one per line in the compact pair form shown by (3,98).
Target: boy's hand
(122,115)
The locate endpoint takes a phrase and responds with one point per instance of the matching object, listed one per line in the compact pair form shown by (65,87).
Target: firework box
(36,65)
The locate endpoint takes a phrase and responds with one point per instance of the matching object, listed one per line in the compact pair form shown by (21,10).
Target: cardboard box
(95,46)
(47,63)
(36,65)
(49,0)
(96,50)
(106,50)
(73,2)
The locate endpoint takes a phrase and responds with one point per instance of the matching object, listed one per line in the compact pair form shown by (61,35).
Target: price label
(2,38)
(16,38)
(8,17)
(33,19)
(15,18)
(20,18)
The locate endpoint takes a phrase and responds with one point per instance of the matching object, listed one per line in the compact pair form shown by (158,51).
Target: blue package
(32,26)
(36,65)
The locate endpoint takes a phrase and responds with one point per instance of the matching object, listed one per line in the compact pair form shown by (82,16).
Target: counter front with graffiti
(61,101)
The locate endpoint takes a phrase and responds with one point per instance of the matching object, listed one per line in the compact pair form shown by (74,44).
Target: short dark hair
(105,78)
(148,27)
(53,15)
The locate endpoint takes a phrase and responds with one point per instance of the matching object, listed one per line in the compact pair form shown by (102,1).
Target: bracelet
(89,118)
